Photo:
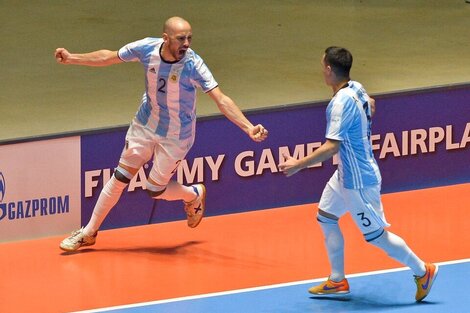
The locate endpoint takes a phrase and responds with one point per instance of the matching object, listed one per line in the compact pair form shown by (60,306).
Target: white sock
(334,242)
(397,249)
(108,198)
(176,191)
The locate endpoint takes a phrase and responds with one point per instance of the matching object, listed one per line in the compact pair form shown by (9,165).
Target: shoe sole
(71,250)
(339,293)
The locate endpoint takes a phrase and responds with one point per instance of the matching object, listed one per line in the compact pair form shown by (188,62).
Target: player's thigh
(167,157)
(139,146)
(366,208)
(332,198)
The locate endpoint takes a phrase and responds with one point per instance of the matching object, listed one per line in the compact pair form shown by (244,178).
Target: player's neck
(166,55)
(339,85)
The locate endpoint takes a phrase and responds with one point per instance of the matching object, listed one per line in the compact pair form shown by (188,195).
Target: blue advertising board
(421,139)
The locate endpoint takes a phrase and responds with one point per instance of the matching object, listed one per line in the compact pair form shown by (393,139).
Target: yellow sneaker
(195,209)
(331,287)
(424,283)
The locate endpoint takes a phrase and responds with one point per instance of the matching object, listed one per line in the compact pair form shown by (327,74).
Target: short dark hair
(340,60)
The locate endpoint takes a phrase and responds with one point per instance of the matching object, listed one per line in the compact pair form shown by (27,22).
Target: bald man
(164,125)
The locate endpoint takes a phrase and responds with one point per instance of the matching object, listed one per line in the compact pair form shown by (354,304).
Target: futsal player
(164,125)
(355,185)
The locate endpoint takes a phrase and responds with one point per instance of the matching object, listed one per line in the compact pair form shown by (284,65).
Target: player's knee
(155,191)
(122,175)
(326,218)
(374,237)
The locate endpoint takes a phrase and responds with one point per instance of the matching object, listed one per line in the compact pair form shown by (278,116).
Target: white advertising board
(39,188)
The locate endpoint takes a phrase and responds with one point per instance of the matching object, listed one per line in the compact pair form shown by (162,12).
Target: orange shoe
(331,287)
(424,283)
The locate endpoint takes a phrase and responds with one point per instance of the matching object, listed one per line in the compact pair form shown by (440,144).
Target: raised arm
(236,116)
(95,58)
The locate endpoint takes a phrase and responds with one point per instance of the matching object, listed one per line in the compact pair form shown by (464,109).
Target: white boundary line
(224,293)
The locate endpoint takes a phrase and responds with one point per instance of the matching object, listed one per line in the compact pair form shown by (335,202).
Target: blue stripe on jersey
(347,122)
(145,110)
(187,92)
(353,168)
(142,50)
(201,75)
(163,112)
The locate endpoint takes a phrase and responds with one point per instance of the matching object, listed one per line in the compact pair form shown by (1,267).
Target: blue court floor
(382,291)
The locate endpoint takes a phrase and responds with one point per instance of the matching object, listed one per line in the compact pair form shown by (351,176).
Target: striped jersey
(168,106)
(349,121)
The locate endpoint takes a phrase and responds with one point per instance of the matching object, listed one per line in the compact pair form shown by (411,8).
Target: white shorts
(142,143)
(364,204)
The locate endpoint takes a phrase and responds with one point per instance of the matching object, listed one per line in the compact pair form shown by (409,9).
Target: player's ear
(165,37)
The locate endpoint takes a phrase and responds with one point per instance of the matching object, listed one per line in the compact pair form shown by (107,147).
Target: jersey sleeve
(339,118)
(135,51)
(203,77)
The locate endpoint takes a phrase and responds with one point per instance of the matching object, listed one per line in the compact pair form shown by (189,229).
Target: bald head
(177,36)
(175,24)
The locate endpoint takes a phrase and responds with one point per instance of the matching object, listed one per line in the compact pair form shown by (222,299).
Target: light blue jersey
(348,120)
(168,105)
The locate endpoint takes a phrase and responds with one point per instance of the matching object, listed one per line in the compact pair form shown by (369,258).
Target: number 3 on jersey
(161,85)
(365,221)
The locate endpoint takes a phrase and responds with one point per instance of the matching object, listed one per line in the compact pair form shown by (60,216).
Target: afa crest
(173,77)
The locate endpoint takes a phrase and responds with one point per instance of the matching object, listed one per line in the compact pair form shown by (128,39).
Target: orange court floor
(229,252)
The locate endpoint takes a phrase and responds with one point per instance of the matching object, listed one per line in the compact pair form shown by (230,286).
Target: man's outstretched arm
(95,58)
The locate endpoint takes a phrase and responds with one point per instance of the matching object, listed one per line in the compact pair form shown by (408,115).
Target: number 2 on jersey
(162,84)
